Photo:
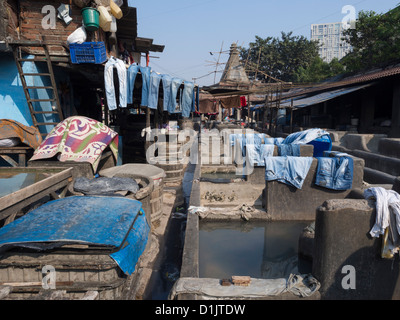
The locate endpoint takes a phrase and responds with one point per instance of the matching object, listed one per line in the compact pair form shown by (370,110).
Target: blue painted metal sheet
(107,221)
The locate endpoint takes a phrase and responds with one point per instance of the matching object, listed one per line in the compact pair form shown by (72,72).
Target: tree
(279,57)
(375,40)
(318,71)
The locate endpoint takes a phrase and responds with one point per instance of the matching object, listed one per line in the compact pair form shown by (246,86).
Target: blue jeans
(289,170)
(257,153)
(335,172)
(166,82)
(187,98)
(253,138)
(196,98)
(132,73)
(289,150)
(109,83)
(306,136)
(154,87)
(273,140)
(173,106)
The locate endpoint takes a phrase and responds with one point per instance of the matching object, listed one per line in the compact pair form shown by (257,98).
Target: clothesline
(151,82)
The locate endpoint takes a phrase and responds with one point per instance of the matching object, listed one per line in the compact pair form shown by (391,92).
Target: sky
(192,29)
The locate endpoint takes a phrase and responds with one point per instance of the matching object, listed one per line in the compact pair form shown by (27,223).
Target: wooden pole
(291,116)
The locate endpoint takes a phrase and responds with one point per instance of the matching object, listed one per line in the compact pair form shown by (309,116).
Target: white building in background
(330,37)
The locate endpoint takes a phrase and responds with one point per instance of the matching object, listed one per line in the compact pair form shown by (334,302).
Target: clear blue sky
(191,29)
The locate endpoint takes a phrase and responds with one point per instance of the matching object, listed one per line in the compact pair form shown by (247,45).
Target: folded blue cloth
(304,137)
(289,170)
(256,153)
(289,150)
(335,171)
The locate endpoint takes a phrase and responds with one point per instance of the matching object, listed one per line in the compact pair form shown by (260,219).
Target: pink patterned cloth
(79,139)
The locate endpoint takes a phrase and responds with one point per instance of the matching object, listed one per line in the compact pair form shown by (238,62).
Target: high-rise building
(330,37)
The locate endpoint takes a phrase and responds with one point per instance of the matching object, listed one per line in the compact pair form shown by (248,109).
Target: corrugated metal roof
(348,81)
(322,97)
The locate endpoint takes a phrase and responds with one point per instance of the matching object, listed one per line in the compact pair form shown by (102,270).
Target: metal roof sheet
(322,97)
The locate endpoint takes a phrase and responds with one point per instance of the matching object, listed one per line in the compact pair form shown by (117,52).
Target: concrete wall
(364,142)
(390,147)
(381,154)
(379,162)
(342,239)
(284,202)
(258,174)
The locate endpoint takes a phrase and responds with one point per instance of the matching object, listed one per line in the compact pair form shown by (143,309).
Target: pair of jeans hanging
(175,107)
(187,98)
(109,83)
(154,86)
(133,70)
(196,98)
(166,82)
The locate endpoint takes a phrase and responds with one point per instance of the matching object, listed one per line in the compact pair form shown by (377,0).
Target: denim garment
(237,137)
(306,136)
(257,153)
(109,83)
(273,140)
(253,138)
(237,141)
(289,170)
(132,74)
(252,144)
(187,98)
(166,82)
(145,86)
(289,150)
(154,87)
(173,107)
(196,98)
(335,172)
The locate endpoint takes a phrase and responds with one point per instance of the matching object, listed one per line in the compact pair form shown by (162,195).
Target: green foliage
(375,40)
(280,57)
(318,71)
(289,58)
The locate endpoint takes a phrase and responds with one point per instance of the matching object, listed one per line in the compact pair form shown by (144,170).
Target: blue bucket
(321,144)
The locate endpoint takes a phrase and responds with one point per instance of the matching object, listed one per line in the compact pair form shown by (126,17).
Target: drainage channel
(167,270)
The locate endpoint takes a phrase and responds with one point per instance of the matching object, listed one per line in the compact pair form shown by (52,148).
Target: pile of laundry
(387,221)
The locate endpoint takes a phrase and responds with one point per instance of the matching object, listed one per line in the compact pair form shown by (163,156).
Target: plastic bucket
(321,144)
(90,18)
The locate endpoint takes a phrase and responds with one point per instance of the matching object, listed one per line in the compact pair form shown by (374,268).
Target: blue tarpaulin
(115,222)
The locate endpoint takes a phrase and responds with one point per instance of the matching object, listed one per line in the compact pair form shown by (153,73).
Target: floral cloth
(79,139)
